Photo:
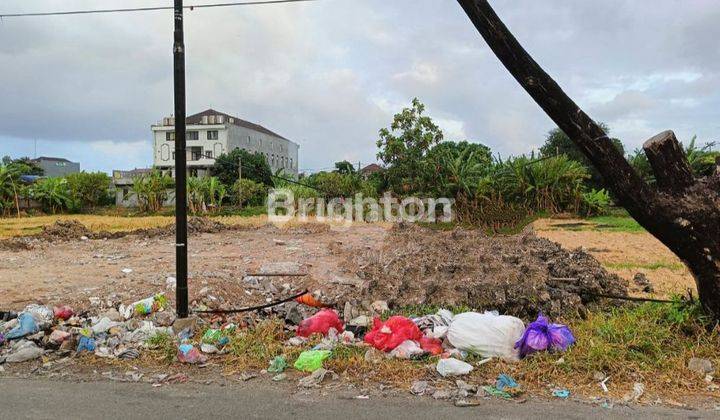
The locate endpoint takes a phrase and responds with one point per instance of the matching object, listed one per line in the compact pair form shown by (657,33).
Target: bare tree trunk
(683,212)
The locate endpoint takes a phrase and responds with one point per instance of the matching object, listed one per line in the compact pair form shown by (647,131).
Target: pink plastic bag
(387,335)
(320,323)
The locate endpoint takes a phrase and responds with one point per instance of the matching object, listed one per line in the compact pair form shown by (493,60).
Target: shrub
(89,189)
(596,203)
(53,194)
(152,190)
(249,192)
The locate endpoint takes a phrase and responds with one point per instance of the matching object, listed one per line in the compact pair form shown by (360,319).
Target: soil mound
(64,230)
(519,275)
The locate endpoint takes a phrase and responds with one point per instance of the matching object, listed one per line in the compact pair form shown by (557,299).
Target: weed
(164,344)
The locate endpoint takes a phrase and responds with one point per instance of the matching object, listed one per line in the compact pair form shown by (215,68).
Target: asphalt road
(44,399)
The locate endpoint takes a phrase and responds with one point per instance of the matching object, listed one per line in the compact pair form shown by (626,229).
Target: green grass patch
(616,224)
(649,266)
(652,339)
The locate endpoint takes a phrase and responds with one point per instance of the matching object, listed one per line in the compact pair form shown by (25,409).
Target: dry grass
(25,226)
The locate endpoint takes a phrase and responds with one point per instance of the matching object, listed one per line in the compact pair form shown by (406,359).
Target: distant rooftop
(205,116)
(50,158)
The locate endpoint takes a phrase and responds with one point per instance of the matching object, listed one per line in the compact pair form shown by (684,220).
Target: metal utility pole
(181,293)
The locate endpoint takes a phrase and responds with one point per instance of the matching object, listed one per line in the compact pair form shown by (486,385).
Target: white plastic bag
(408,349)
(453,367)
(486,334)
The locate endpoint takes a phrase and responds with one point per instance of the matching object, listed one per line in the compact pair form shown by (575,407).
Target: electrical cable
(150,9)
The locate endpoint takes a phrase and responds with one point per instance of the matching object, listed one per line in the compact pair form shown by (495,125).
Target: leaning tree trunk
(682,212)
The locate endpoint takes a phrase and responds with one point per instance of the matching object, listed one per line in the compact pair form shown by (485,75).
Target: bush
(89,189)
(152,190)
(596,203)
(249,192)
(53,194)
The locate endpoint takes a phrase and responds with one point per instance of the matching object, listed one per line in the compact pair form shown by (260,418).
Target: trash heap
(113,333)
(124,331)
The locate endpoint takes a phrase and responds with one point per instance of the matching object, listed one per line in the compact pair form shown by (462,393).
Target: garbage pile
(444,338)
(114,333)
(518,275)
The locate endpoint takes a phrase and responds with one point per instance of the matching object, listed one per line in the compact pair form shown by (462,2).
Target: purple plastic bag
(541,335)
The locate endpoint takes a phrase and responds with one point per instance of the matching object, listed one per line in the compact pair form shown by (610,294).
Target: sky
(329,74)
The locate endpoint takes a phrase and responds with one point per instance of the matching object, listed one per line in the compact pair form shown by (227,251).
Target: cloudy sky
(329,74)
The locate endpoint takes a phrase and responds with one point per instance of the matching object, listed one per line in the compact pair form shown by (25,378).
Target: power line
(150,9)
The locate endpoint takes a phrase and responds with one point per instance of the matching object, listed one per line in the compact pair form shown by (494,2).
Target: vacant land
(624,248)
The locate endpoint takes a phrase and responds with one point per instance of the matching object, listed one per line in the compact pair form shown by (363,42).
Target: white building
(212,133)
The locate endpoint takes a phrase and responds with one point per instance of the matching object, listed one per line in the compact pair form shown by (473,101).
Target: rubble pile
(519,275)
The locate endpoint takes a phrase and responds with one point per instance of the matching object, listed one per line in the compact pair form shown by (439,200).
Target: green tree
(9,189)
(53,194)
(405,145)
(254,167)
(344,167)
(89,189)
(248,191)
(152,190)
(23,165)
(558,143)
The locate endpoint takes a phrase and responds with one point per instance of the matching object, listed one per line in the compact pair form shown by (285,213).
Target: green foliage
(334,184)
(205,193)
(9,189)
(254,167)
(23,165)
(404,148)
(53,194)
(344,167)
(701,159)
(152,190)
(89,189)
(249,192)
(595,202)
(558,143)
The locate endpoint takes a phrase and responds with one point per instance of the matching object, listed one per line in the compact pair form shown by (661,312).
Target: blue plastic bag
(541,335)
(26,326)
(86,344)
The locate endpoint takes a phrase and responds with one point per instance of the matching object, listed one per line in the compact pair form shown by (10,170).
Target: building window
(212,135)
(209,154)
(193,135)
(170,136)
(291,163)
(248,139)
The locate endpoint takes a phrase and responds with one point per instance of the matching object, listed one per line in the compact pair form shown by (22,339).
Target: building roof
(371,169)
(197,119)
(54,159)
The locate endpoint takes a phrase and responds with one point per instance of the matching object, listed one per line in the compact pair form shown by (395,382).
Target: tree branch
(669,163)
(632,191)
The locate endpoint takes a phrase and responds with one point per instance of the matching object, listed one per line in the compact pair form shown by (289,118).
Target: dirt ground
(625,254)
(79,272)
(68,263)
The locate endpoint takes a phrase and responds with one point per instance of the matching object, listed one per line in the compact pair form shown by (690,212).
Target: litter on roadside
(311,360)
(541,335)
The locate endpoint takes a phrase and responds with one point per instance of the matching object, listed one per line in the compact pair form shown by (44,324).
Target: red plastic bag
(387,335)
(320,323)
(63,312)
(431,345)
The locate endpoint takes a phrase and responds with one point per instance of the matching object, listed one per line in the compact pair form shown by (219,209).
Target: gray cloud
(329,74)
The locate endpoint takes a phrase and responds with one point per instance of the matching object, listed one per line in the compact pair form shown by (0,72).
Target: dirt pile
(518,275)
(64,230)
